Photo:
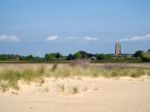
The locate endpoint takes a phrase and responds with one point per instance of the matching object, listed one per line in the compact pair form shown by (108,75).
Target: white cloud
(90,38)
(80,39)
(137,38)
(52,38)
(9,38)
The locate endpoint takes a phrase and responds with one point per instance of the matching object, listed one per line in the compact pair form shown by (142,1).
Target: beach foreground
(82,94)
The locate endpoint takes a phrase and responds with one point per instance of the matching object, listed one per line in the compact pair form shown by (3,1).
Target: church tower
(117,49)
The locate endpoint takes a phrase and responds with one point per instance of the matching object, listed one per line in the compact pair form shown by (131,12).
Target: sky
(43,26)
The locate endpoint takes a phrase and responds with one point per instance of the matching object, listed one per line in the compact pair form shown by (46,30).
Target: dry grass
(9,77)
(72,89)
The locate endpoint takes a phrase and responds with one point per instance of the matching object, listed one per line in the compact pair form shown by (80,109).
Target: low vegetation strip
(9,77)
(137,57)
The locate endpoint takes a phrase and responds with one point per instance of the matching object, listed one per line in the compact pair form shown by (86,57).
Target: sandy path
(102,95)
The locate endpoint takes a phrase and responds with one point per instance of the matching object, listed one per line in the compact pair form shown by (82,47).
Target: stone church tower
(117,49)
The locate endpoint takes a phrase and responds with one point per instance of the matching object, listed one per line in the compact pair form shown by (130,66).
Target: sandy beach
(92,95)
(74,55)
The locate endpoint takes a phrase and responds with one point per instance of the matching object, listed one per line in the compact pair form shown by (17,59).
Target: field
(78,86)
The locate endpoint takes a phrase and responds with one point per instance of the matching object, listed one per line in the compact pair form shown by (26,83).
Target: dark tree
(58,55)
(81,54)
(53,56)
(4,57)
(70,57)
(138,54)
(90,55)
(29,57)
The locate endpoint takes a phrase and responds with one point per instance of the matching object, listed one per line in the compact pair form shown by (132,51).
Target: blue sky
(40,26)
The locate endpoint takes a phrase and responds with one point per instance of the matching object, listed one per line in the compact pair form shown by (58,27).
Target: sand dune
(91,95)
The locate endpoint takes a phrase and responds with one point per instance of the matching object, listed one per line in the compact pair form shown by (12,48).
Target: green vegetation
(9,78)
(145,56)
(53,56)
(78,55)
(104,56)
(138,56)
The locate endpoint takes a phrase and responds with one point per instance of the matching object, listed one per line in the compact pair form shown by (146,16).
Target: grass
(61,88)
(9,77)
(67,89)
(74,90)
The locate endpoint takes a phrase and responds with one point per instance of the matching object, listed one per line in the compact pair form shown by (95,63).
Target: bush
(138,54)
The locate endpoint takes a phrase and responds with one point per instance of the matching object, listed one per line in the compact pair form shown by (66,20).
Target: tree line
(138,55)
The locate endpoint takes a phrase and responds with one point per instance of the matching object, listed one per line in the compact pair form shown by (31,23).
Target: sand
(93,95)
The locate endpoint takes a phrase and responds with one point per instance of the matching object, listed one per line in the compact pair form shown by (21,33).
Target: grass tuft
(61,87)
(74,90)
(54,67)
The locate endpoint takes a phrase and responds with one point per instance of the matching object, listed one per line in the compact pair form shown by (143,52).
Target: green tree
(81,54)
(146,57)
(4,57)
(52,56)
(78,55)
(70,57)
(58,55)
(84,54)
(29,57)
(138,54)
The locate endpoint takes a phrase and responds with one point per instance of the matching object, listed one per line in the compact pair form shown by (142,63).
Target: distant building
(117,49)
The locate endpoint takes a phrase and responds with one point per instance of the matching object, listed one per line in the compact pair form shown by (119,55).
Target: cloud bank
(9,38)
(52,38)
(87,38)
(137,38)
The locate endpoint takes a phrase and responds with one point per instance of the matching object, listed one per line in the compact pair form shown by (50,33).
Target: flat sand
(92,95)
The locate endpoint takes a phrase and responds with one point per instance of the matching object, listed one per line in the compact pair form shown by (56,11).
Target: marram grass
(9,77)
